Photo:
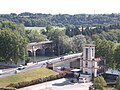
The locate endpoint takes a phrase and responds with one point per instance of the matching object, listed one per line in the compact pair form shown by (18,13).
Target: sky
(60,6)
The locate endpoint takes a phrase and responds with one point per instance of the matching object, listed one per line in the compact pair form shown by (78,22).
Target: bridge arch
(40,48)
(30,53)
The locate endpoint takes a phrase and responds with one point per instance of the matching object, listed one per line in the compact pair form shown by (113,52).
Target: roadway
(9,72)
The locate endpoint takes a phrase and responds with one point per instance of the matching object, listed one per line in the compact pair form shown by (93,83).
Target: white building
(89,64)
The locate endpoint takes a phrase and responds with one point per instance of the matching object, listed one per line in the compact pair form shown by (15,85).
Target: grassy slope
(26,76)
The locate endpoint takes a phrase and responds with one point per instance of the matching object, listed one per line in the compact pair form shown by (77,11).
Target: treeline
(39,19)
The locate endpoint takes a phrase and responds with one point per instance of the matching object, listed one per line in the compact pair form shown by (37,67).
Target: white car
(21,67)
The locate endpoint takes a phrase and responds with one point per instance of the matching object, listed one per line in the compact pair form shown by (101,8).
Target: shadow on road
(67,82)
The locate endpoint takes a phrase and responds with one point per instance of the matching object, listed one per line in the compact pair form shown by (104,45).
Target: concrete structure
(41,46)
(89,64)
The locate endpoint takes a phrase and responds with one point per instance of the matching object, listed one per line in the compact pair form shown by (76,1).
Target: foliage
(5,24)
(12,46)
(72,31)
(112,35)
(7,88)
(99,83)
(77,43)
(118,83)
(106,49)
(38,19)
(117,56)
(35,36)
(61,41)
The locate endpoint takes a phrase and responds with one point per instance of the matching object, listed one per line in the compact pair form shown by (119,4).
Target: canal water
(42,58)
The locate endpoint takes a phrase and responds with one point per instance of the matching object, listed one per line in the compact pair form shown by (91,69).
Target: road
(10,72)
(59,84)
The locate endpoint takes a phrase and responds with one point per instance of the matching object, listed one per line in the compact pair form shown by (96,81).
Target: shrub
(117,86)
(99,83)
(8,88)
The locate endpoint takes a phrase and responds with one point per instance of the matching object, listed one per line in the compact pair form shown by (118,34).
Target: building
(89,64)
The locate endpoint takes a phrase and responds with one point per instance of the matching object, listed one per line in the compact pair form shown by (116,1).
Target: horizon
(53,7)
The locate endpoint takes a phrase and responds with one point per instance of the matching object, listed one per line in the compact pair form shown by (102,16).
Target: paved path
(60,84)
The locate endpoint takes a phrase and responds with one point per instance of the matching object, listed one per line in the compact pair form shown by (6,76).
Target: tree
(12,46)
(99,83)
(77,43)
(72,31)
(35,36)
(117,86)
(105,49)
(60,40)
(117,56)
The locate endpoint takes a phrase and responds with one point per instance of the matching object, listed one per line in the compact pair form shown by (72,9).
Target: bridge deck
(62,58)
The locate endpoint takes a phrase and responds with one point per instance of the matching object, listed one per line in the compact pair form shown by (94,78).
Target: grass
(40,28)
(26,76)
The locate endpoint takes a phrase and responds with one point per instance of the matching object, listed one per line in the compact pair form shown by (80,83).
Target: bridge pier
(75,64)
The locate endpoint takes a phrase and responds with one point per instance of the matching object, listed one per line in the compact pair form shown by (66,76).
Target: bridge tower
(88,63)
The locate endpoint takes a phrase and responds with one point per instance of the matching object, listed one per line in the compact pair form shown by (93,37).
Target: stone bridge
(40,48)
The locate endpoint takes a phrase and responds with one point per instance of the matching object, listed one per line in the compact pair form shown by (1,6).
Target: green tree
(105,49)
(77,43)
(117,56)
(60,40)
(35,36)
(117,86)
(99,83)
(12,46)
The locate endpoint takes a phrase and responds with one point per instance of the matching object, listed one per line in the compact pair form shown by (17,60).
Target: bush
(8,88)
(99,83)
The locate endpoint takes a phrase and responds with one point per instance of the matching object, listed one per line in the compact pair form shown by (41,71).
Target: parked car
(20,67)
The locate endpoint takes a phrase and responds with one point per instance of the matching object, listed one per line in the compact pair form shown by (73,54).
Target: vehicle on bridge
(20,67)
